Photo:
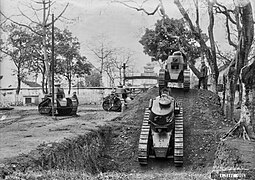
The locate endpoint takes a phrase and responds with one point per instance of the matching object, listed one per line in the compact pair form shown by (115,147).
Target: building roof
(31,84)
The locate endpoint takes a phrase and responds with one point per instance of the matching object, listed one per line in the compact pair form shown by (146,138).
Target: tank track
(143,148)
(74,110)
(186,81)
(178,139)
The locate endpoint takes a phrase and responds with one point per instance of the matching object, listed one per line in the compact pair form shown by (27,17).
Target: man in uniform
(75,97)
(203,76)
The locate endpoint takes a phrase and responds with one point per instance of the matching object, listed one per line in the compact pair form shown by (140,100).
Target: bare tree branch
(107,54)
(219,53)
(225,11)
(187,18)
(35,12)
(20,24)
(139,9)
(23,14)
(59,15)
(5,52)
(48,8)
(229,34)
(210,29)
(162,10)
(197,13)
(144,2)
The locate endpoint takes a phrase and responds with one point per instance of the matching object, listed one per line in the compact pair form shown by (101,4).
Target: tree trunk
(46,87)
(212,61)
(253,108)
(229,91)
(19,83)
(194,70)
(46,60)
(245,126)
(245,35)
(240,92)
(120,76)
(210,56)
(101,79)
(247,106)
(228,104)
(43,84)
(69,85)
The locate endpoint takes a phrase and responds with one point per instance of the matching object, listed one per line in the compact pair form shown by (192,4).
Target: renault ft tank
(63,106)
(175,74)
(116,100)
(162,131)
(112,102)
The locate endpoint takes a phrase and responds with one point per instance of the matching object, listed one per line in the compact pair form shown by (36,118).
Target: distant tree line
(25,50)
(27,42)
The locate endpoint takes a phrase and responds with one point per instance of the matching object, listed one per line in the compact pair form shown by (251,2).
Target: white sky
(122,25)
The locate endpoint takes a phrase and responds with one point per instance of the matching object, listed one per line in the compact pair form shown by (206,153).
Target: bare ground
(23,128)
(204,124)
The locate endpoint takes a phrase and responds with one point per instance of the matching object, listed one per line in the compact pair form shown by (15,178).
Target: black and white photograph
(127,89)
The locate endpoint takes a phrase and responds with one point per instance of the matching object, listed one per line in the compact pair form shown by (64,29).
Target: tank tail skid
(178,139)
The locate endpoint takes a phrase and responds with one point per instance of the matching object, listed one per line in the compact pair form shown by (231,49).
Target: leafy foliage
(26,51)
(93,80)
(82,67)
(37,65)
(69,62)
(17,46)
(168,36)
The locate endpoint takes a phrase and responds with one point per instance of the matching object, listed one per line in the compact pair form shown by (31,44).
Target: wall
(90,95)
(85,95)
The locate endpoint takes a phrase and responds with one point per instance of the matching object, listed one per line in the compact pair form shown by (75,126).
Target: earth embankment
(203,125)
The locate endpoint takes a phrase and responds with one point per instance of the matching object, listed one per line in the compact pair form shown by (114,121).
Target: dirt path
(23,128)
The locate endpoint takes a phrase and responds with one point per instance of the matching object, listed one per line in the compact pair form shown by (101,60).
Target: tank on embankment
(162,130)
(176,73)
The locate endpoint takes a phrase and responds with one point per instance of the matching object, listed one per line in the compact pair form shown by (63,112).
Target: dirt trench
(85,152)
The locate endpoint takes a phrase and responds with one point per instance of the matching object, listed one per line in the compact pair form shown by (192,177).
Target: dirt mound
(203,124)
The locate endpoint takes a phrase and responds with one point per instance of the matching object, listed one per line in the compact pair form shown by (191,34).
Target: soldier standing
(75,97)
(203,77)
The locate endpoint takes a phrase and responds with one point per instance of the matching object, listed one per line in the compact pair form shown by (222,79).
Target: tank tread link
(186,81)
(143,149)
(178,139)
(161,79)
